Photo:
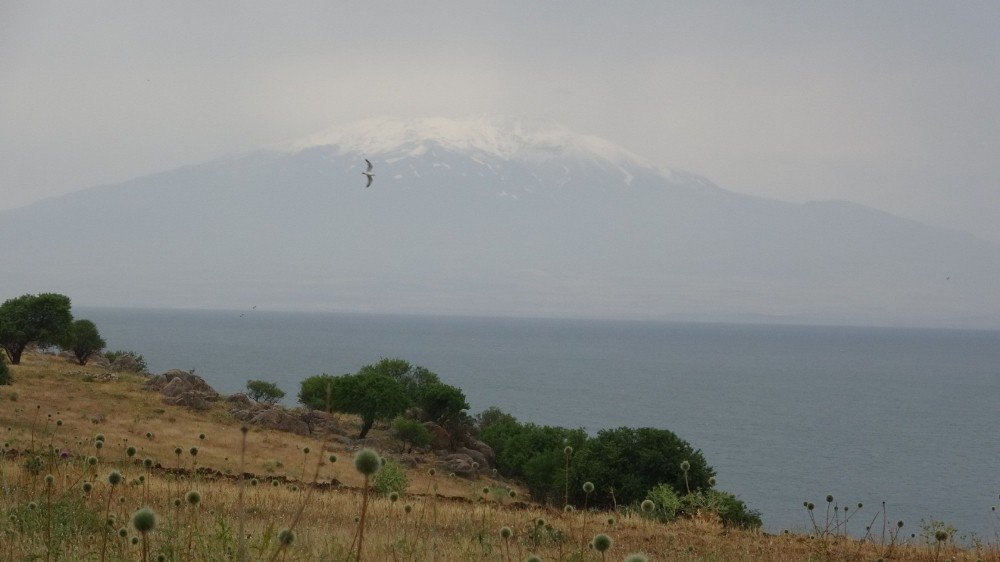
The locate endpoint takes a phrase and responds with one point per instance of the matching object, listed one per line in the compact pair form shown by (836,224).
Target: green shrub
(412,433)
(83,339)
(730,509)
(390,478)
(667,503)
(5,376)
(265,392)
(441,402)
(372,396)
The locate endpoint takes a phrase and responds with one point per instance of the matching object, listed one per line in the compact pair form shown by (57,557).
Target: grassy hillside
(51,415)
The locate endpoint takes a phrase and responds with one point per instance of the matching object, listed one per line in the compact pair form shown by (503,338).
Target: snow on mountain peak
(500,137)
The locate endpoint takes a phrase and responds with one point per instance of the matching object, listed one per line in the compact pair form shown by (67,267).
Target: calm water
(785,414)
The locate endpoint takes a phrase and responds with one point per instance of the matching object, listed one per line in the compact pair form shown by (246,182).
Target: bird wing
(369,181)
(369,165)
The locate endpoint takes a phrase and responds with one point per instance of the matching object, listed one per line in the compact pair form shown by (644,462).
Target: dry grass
(447,525)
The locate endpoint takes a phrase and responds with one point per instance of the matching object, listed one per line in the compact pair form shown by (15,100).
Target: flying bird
(368,173)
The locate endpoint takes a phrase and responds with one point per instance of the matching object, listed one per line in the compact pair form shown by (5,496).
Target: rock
(459,463)
(125,363)
(476,456)
(239,399)
(98,360)
(441,437)
(190,399)
(280,419)
(176,387)
(483,448)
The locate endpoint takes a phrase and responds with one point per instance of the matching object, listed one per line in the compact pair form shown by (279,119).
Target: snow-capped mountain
(488,216)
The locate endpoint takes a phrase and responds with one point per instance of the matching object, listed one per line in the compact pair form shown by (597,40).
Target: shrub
(667,503)
(372,396)
(730,509)
(5,376)
(412,433)
(83,340)
(491,416)
(441,402)
(265,392)
(390,478)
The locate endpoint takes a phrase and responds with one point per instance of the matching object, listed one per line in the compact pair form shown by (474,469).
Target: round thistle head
(332,458)
(254,481)
(193,497)
(611,520)
(149,435)
(588,487)
(941,536)
(178,451)
(811,506)
(142,478)
(899,524)
(59,422)
(286,537)
(193,451)
(829,498)
(512,494)
(506,533)
(91,461)
(131,451)
(134,541)
(567,450)
(367,462)
(121,499)
(475,465)
(147,463)
(602,542)
(115,478)
(144,520)
(275,483)
(293,488)
(647,506)
(357,518)
(393,497)
(711,481)
(87,487)
(50,480)
(540,522)
(407,508)
(99,437)
(32,505)
(636,558)
(123,532)
(431,471)
(177,502)
(98,444)
(685,466)
(485,491)
(201,436)
(532,558)
(860,505)
(161,558)
(244,429)
(305,450)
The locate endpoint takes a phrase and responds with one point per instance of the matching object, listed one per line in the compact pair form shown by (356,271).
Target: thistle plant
(114,478)
(144,521)
(602,543)
(367,462)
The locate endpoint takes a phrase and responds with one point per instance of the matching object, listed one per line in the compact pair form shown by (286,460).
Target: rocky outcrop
(458,463)
(183,388)
(476,456)
(483,449)
(441,437)
(125,363)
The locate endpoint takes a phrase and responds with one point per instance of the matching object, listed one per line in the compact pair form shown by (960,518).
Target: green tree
(83,340)
(634,460)
(371,396)
(412,433)
(265,392)
(441,403)
(42,319)
(413,377)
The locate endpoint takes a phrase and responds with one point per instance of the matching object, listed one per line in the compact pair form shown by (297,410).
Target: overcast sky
(891,104)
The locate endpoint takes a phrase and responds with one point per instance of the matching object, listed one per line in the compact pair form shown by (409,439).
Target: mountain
(488,216)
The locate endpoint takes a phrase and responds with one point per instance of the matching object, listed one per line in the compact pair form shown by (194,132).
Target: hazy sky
(891,104)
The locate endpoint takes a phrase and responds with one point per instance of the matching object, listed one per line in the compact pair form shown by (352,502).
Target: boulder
(176,387)
(483,448)
(281,420)
(125,363)
(459,463)
(441,437)
(476,456)
(239,399)
(156,382)
(98,360)
(190,399)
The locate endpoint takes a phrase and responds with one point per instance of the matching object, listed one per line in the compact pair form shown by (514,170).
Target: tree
(413,377)
(42,319)
(441,403)
(412,433)
(83,340)
(372,396)
(634,460)
(264,392)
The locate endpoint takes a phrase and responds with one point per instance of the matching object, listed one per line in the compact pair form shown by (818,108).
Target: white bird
(368,173)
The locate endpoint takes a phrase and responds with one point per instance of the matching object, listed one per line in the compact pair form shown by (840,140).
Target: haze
(892,104)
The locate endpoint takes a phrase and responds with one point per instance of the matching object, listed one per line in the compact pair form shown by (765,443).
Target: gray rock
(125,363)
(484,449)
(476,456)
(459,463)
(281,420)
(190,399)
(442,439)
(176,387)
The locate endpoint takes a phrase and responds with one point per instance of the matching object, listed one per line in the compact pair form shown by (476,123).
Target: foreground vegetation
(217,493)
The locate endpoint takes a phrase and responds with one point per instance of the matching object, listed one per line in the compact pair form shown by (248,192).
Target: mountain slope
(487,216)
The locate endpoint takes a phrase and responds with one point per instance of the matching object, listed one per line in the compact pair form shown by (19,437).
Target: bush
(390,478)
(266,392)
(491,416)
(441,402)
(5,376)
(730,509)
(372,396)
(668,504)
(412,433)
(83,340)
